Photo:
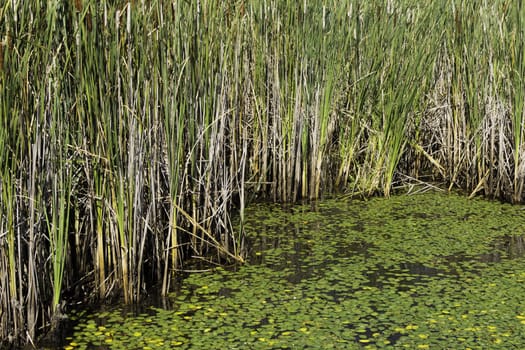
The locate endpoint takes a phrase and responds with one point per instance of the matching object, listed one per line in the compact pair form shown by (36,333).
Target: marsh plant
(131,131)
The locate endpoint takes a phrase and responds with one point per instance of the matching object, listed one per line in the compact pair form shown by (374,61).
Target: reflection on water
(506,247)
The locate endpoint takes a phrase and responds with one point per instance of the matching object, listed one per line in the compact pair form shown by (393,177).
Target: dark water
(430,271)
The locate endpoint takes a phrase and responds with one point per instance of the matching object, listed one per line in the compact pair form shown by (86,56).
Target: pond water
(428,271)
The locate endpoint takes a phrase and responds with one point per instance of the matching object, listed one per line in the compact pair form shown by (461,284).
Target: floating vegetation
(406,272)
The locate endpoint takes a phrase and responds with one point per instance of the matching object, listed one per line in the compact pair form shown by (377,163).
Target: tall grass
(133,131)
(472,131)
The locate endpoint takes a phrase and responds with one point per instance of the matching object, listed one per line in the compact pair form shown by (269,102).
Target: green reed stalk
(60,168)
(12,293)
(132,140)
(517,47)
(58,228)
(404,102)
(7,251)
(12,318)
(321,134)
(35,203)
(174,128)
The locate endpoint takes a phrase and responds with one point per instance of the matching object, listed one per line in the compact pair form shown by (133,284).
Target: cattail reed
(1,57)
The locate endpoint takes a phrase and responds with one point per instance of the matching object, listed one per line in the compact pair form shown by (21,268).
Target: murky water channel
(428,271)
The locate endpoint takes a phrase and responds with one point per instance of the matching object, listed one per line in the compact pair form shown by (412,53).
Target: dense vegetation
(130,131)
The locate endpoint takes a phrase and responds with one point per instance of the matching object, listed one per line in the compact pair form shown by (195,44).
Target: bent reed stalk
(132,132)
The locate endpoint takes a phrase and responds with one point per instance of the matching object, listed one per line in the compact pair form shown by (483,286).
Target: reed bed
(133,131)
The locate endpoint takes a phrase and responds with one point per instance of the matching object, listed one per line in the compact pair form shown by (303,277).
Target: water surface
(429,271)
